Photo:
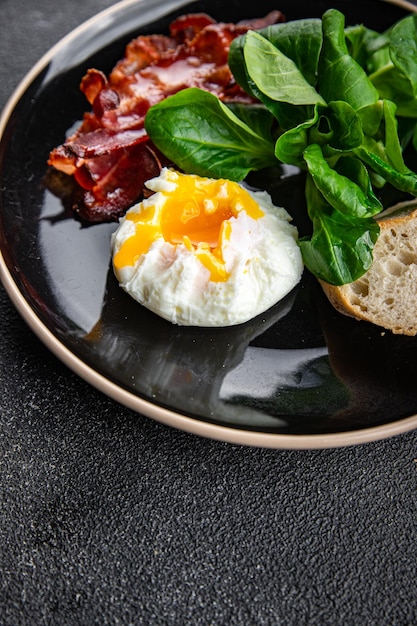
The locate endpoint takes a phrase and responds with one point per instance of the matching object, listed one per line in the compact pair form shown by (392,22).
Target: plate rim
(142,406)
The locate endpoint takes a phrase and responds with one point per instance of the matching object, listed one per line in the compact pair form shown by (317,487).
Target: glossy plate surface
(299,376)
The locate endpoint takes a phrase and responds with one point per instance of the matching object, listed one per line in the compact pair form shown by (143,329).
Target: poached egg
(206,252)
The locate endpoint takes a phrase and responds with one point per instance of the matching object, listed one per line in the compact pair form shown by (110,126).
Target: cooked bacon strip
(110,155)
(101,141)
(121,177)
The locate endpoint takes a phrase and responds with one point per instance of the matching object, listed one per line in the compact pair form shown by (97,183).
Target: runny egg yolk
(195,213)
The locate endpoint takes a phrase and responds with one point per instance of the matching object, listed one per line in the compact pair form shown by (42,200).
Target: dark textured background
(109,518)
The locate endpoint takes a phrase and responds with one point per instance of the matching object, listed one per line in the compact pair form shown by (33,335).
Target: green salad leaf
(340,77)
(283,81)
(338,102)
(299,40)
(346,195)
(199,133)
(341,248)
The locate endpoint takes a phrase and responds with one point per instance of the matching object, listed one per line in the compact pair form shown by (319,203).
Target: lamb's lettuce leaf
(283,82)
(199,133)
(351,196)
(340,77)
(340,249)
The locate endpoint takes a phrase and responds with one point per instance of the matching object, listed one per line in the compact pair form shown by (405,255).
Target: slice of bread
(386,294)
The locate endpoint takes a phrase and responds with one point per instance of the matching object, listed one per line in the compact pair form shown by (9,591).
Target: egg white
(262,258)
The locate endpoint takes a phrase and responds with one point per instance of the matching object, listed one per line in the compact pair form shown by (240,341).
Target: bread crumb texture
(387,294)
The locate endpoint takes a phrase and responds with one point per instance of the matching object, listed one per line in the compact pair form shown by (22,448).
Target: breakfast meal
(183,119)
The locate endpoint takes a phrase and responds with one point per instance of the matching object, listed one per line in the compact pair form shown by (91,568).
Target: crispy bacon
(110,156)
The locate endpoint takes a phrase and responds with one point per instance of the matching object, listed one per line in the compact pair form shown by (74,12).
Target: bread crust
(386,295)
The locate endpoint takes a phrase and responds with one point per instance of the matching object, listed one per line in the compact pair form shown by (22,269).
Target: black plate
(299,376)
